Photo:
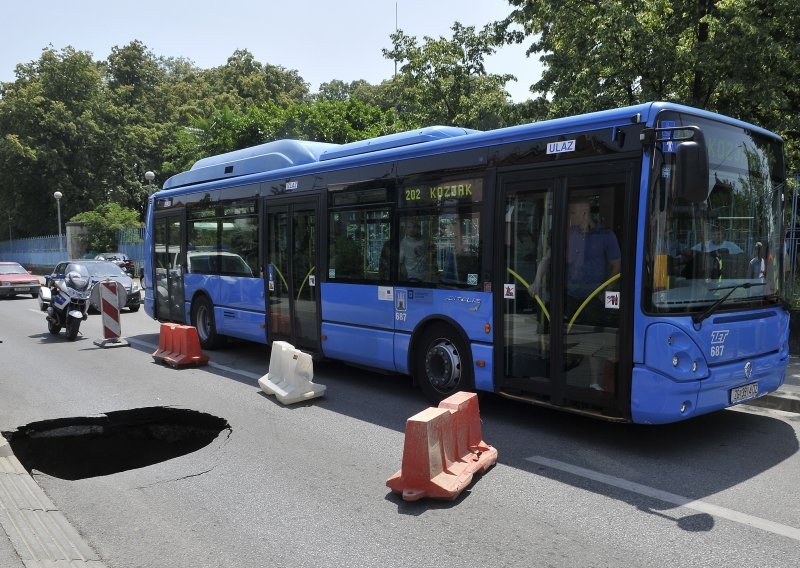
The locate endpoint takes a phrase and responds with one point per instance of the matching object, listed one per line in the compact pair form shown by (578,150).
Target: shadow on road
(729,447)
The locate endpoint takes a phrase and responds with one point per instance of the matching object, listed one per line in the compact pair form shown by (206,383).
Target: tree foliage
(91,129)
(444,81)
(736,57)
(103,224)
(324,120)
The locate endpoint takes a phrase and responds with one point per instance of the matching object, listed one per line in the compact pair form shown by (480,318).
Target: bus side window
(358,245)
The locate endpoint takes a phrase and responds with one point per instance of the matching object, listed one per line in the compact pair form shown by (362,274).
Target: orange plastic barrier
(179,346)
(165,341)
(443,449)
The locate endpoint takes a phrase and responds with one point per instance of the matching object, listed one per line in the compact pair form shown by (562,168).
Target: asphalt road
(305,485)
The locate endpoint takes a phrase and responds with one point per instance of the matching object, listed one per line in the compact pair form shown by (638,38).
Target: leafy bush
(103,225)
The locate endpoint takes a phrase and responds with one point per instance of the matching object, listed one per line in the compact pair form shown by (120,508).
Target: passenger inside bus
(593,256)
(757,269)
(415,253)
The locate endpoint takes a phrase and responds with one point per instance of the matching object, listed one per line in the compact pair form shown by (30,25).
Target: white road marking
(211,364)
(680,501)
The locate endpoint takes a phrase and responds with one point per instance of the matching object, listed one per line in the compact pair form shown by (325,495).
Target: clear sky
(321,39)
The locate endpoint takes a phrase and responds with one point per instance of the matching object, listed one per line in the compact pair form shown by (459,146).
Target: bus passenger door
(526,239)
(292,291)
(565,304)
(168,262)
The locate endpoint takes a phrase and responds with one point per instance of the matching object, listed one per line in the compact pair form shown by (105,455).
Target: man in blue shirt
(593,256)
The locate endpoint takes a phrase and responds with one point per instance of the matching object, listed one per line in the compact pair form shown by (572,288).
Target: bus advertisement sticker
(385,293)
(421,296)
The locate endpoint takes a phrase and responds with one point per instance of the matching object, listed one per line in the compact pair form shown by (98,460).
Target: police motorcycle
(69,301)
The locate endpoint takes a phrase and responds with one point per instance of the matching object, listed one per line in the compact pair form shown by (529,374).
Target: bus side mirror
(691,165)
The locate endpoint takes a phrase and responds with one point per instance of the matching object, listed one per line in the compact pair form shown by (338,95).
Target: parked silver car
(98,270)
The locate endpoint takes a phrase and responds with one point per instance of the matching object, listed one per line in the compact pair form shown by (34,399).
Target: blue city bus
(626,264)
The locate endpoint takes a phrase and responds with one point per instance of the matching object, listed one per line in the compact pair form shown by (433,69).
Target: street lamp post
(149,176)
(58,195)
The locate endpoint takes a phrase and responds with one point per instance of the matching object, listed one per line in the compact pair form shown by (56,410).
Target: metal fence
(45,252)
(35,251)
(131,242)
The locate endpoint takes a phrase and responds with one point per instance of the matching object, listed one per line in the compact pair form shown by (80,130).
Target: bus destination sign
(464,191)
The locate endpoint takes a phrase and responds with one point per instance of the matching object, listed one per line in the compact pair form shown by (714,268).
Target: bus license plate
(743,393)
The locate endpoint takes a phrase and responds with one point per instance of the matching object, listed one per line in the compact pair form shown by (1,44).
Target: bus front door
(292,291)
(168,261)
(564,304)
(527,309)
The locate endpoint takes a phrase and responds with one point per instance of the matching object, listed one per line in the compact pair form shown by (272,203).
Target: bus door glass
(168,257)
(561,299)
(292,291)
(527,237)
(591,271)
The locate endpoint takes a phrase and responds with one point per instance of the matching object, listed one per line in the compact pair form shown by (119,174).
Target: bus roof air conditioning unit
(258,159)
(430,134)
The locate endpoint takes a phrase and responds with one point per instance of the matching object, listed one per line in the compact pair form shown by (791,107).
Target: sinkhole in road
(83,447)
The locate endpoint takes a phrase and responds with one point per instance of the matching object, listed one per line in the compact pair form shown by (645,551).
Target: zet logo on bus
(561,147)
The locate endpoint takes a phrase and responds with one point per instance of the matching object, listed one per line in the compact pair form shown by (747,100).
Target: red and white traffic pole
(109,307)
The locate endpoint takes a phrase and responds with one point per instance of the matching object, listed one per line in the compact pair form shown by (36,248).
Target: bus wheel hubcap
(443,365)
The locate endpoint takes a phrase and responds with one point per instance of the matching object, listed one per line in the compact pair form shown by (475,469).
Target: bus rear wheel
(203,320)
(442,363)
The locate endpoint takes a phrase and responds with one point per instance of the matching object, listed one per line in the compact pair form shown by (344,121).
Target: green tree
(52,138)
(444,81)
(103,224)
(334,121)
(380,95)
(737,57)
(244,82)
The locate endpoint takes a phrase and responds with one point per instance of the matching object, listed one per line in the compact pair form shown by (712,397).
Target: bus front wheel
(442,363)
(203,320)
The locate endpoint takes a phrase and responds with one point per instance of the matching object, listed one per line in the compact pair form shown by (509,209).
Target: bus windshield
(699,251)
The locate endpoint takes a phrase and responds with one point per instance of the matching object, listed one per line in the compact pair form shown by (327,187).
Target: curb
(38,531)
(778,400)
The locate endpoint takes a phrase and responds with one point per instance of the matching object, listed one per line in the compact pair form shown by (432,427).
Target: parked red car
(14,279)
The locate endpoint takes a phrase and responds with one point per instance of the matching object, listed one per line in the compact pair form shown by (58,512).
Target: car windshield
(12,269)
(103,269)
(731,240)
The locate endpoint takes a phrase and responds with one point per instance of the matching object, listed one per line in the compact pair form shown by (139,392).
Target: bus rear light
(323,337)
(480,363)
(487,328)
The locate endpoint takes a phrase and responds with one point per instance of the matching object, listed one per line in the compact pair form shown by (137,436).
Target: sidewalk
(786,398)
(33,532)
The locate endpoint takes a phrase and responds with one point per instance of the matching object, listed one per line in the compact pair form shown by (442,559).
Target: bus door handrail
(589,297)
(528,287)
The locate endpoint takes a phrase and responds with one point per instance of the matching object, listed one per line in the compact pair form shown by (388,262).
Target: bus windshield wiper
(698,318)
